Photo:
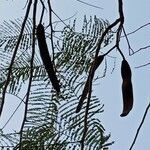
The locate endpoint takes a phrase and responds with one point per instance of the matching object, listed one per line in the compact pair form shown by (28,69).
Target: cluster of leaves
(51,121)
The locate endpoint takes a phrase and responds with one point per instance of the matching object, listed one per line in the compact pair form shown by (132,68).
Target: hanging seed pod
(125,70)
(98,61)
(46,57)
(127,90)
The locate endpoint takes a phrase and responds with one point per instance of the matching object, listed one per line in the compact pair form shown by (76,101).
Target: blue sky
(136,14)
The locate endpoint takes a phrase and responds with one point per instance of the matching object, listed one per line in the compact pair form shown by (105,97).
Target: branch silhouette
(138,130)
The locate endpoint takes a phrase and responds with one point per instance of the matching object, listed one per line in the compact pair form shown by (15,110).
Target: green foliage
(51,121)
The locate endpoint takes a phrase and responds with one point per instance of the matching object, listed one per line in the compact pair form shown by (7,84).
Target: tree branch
(13,57)
(138,130)
(52,31)
(89,4)
(92,69)
(31,72)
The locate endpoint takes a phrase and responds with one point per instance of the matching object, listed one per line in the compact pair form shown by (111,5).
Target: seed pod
(98,61)
(127,90)
(125,70)
(46,57)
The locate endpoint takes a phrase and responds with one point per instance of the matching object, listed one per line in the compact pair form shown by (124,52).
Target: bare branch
(13,57)
(93,66)
(89,4)
(31,72)
(143,65)
(147,24)
(86,115)
(142,48)
(120,27)
(129,46)
(22,100)
(138,130)
(43,9)
(52,31)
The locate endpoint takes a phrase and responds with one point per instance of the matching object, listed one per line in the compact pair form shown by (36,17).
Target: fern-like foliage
(51,121)
(9,32)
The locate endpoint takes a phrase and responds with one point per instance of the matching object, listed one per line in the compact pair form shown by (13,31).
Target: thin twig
(43,9)
(13,57)
(89,4)
(120,27)
(31,72)
(109,51)
(55,22)
(105,33)
(131,51)
(143,65)
(129,46)
(142,48)
(13,113)
(52,31)
(138,130)
(147,24)
(61,20)
(86,113)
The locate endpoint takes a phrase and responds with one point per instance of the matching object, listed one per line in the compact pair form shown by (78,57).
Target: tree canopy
(53,73)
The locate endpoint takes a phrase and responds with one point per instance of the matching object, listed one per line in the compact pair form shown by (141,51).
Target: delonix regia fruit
(97,62)
(127,89)
(46,57)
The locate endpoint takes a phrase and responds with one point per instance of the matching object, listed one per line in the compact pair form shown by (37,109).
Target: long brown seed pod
(127,89)
(46,57)
(98,61)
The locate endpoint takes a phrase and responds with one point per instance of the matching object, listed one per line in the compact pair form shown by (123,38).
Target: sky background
(109,90)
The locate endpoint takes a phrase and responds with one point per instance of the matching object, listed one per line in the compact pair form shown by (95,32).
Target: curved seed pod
(46,57)
(125,70)
(127,90)
(98,61)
